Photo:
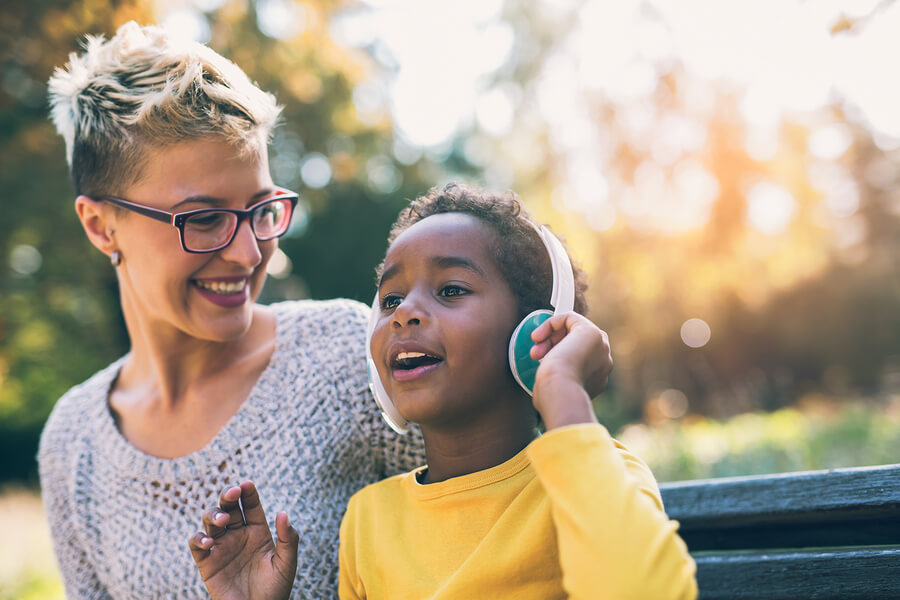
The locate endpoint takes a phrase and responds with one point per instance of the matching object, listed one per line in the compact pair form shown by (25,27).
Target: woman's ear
(96,223)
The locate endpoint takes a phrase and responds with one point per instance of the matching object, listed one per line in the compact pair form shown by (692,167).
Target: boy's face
(440,345)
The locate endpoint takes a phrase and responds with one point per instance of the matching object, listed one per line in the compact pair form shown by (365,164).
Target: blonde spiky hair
(146,88)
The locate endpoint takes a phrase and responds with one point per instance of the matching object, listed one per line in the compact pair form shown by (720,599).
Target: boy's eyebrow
(447,262)
(443,262)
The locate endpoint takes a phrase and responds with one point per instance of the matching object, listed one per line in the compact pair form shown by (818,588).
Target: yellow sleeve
(349,585)
(612,531)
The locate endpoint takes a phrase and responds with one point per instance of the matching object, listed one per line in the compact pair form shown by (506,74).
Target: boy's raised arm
(612,531)
(235,554)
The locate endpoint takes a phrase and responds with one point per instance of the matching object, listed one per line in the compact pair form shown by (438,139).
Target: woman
(166,141)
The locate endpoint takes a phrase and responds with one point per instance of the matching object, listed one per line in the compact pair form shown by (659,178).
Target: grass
(818,433)
(27,565)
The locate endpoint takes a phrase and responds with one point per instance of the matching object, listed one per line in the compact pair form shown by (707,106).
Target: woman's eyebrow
(214,200)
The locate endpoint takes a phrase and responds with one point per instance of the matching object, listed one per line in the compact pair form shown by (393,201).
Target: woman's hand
(574,353)
(236,556)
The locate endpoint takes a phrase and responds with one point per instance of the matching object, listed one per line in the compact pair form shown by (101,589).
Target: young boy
(499,510)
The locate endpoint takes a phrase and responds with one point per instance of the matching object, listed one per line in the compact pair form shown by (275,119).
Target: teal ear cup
(523,367)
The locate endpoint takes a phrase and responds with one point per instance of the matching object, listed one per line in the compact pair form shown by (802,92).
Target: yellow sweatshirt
(574,515)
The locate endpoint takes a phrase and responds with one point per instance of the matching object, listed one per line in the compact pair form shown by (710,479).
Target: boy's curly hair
(517,248)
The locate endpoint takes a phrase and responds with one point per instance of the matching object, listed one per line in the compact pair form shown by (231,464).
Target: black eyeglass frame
(178,220)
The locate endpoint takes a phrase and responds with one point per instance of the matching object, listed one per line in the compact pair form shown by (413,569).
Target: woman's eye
(206,221)
(389,302)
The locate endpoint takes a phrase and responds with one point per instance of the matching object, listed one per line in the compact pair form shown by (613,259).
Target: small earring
(115,258)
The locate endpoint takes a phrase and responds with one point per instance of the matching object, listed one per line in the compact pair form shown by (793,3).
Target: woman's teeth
(223,287)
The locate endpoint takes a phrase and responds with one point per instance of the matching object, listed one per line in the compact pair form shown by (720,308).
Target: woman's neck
(171,399)
(172,363)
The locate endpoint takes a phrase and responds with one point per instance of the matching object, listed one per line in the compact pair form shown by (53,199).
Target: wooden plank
(733,498)
(823,574)
(787,534)
(859,506)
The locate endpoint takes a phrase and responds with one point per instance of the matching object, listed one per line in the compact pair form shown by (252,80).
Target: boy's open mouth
(407,361)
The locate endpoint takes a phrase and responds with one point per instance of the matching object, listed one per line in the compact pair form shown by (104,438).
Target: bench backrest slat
(831,534)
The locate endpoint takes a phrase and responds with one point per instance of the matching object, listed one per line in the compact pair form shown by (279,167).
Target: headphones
(522,366)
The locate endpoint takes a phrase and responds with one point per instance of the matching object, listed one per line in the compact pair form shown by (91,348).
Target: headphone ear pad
(523,367)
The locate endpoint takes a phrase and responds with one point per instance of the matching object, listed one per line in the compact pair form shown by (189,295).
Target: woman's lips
(225,293)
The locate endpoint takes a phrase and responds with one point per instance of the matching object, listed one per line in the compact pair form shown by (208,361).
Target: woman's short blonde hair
(144,89)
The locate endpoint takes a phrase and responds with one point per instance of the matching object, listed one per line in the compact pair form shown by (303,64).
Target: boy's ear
(96,223)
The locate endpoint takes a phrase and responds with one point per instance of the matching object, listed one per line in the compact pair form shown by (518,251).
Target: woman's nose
(244,248)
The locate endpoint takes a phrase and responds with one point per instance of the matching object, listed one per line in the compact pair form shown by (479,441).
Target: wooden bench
(831,534)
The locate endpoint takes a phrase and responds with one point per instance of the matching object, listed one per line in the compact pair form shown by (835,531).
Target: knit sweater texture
(309,435)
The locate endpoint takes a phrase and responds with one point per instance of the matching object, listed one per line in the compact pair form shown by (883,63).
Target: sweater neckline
(471,481)
(237,432)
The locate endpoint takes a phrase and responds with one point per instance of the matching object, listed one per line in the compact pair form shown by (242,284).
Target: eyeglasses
(211,229)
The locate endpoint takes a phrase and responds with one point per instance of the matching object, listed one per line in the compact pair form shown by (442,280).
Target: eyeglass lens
(212,229)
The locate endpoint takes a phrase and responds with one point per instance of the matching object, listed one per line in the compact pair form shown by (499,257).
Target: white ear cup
(562,299)
(388,410)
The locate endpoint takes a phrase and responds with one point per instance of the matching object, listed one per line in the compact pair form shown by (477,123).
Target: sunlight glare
(280,19)
(187,22)
(770,207)
(830,142)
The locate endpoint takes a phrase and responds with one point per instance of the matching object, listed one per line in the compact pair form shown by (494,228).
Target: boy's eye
(389,302)
(450,291)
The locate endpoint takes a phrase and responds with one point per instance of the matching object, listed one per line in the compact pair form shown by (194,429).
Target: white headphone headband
(562,296)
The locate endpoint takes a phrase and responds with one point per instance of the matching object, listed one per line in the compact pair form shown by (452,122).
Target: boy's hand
(236,556)
(572,350)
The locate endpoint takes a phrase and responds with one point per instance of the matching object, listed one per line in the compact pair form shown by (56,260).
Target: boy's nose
(408,312)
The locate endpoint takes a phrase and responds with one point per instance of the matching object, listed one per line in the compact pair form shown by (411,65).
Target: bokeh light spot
(695,333)
(25,260)
(315,170)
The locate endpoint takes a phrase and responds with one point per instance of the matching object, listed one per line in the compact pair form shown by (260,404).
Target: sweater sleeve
(78,574)
(611,527)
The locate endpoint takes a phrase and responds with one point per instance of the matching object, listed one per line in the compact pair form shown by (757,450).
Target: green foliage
(790,315)
(818,434)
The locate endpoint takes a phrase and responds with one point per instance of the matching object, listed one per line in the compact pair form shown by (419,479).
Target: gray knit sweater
(309,435)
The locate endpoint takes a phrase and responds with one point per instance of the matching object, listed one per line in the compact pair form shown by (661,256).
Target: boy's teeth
(223,287)
(406,355)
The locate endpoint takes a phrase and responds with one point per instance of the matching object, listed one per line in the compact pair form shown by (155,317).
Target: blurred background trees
(727,173)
